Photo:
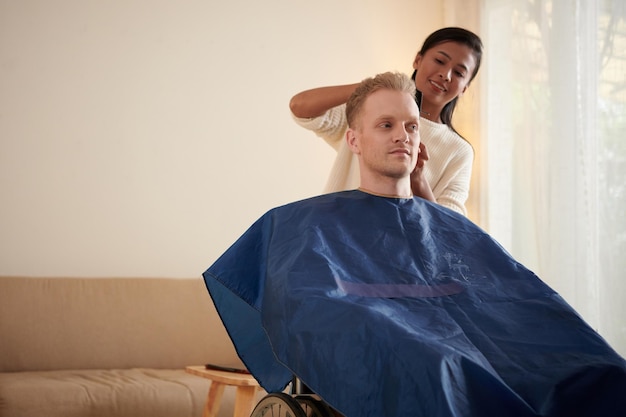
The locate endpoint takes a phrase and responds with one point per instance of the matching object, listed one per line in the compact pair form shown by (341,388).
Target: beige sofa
(108,347)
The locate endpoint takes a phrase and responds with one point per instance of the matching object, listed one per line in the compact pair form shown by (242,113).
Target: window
(554,170)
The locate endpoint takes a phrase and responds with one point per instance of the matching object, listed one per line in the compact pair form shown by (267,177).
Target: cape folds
(399,307)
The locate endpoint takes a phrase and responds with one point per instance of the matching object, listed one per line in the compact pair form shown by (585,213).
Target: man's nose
(402,135)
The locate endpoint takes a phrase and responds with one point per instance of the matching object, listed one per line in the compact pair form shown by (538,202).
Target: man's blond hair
(394,81)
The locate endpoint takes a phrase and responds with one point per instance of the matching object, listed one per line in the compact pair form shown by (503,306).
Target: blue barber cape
(392,307)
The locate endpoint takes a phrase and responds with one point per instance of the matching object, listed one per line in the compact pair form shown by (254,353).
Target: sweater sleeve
(449,168)
(457,181)
(331,126)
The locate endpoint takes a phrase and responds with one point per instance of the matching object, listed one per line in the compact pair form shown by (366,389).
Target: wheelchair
(299,402)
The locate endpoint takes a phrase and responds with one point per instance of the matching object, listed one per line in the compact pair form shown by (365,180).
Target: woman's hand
(419,184)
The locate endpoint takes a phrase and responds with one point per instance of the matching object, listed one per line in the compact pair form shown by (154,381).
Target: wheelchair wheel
(313,407)
(278,405)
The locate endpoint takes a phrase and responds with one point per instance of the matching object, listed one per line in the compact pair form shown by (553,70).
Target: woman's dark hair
(462,36)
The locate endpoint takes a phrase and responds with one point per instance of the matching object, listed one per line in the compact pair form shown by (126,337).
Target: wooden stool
(246,385)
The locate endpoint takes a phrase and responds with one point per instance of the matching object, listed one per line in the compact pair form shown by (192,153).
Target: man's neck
(390,187)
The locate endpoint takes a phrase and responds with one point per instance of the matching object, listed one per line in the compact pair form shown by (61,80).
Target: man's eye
(386,125)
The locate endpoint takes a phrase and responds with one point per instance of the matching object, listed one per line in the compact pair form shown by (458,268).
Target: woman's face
(444,72)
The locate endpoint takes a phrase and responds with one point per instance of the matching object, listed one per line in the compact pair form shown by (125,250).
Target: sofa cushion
(104,393)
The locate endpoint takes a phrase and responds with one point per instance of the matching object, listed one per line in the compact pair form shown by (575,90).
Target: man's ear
(353,141)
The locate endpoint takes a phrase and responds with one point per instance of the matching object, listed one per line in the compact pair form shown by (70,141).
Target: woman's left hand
(419,185)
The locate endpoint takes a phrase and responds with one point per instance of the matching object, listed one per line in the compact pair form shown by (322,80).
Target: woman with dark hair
(444,67)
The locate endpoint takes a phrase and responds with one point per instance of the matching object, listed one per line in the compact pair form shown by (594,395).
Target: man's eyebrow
(388,117)
(449,57)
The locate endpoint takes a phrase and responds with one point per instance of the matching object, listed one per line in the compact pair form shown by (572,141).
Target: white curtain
(554,138)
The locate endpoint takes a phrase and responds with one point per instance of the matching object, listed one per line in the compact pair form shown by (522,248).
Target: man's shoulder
(354,202)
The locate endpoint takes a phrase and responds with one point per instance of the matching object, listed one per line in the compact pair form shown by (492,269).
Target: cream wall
(142,137)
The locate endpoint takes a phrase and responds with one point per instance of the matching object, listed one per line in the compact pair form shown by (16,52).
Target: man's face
(386,134)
